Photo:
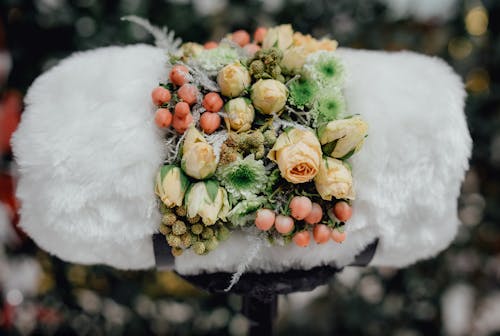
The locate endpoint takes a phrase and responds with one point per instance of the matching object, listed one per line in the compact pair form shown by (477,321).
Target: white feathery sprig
(164,38)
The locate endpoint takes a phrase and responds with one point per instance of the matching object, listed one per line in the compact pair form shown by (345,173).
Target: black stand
(260,291)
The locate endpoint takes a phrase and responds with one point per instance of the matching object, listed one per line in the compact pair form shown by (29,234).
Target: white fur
(88,150)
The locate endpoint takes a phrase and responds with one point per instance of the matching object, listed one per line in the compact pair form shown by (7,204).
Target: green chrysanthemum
(243,177)
(244,212)
(302,92)
(325,68)
(329,106)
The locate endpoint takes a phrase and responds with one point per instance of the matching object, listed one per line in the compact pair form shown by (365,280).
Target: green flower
(329,106)
(325,68)
(244,211)
(214,59)
(302,92)
(243,178)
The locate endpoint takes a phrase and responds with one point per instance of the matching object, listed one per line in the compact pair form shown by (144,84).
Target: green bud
(211,244)
(199,248)
(197,229)
(181,211)
(223,233)
(186,239)
(276,71)
(207,233)
(173,240)
(169,219)
(179,228)
(165,230)
(194,220)
(176,251)
(269,138)
(256,67)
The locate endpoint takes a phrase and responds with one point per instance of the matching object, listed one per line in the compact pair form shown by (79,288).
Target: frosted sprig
(164,38)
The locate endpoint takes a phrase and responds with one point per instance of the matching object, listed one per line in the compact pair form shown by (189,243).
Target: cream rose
(346,136)
(269,96)
(334,180)
(208,200)
(298,154)
(281,35)
(240,114)
(171,185)
(293,59)
(198,157)
(233,79)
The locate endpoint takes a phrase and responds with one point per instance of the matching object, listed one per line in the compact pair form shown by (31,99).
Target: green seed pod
(193,220)
(280,78)
(199,248)
(211,244)
(256,67)
(177,251)
(165,230)
(207,233)
(276,71)
(223,233)
(169,219)
(179,228)
(186,240)
(269,138)
(173,240)
(197,229)
(180,211)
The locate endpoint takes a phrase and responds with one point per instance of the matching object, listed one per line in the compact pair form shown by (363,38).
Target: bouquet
(257,138)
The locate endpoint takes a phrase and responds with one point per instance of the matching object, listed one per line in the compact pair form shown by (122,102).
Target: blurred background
(456,293)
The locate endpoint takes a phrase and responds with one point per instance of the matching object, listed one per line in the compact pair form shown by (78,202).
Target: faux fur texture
(88,150)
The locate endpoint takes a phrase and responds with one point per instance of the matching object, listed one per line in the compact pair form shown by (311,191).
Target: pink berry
(210,45)
(342,210)
(300,207)
(338,236)
(251,48)
(321,233)
(188,93)
(240,37)
(315,215)
(265,219)
(209,122)
(284,224)
(260,34)
(160,96)
(181,110)
(302,238)
(179,75)
(163,118)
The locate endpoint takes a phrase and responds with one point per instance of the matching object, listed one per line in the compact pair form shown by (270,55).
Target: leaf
(348,155)
(184,181)
(212,188)
(165,169)
(329,147)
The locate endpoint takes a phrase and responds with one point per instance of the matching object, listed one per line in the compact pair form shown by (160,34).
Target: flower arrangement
(258,137)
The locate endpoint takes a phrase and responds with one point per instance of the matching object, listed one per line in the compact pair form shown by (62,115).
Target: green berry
(181,211)
(193,220)
(173,240)
(222,233)
(186,239)
(169,219)
(199,248)
(207,233)
(165,230)
(179,228)
(177,251)
(269,138)
(256,67)
(211,244)
(197,229)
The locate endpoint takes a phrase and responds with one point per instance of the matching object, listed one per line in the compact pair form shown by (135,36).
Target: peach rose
(298,154)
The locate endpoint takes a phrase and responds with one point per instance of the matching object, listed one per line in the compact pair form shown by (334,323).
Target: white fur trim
(88,149)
